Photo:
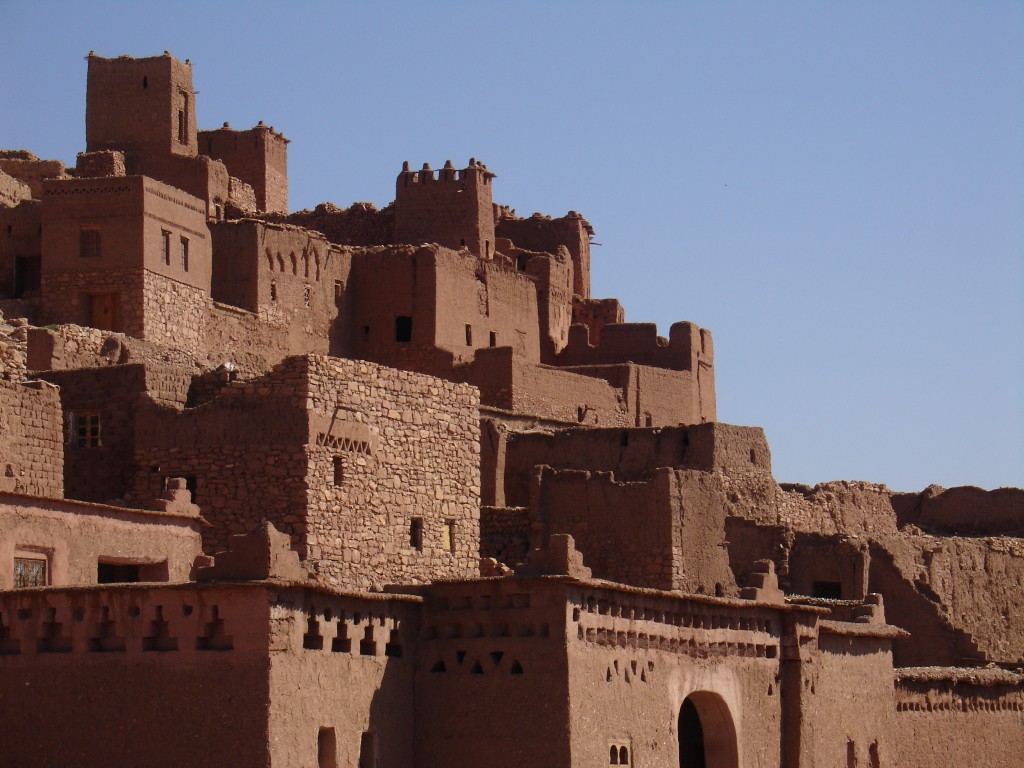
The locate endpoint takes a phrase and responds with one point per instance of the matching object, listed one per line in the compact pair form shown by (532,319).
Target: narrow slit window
(339,291)
(469,335)
(184,254)
(494,339)
(416,533)
(339,470)
(448,535)
(273,291)
(165,247)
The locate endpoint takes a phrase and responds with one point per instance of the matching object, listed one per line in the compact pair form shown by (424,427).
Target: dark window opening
(117,573)
(829,590)
(416,533)
(181,126)
(339,290)
(273,291)
(403,329)
(469,335)
(30,572)
(165,247)
(27,274)
(366,333)
(521,264)
(339,470)
(90,244)
(494,339)
(487,249)
(448,533)
(184,253)
(145,81)
(624,439)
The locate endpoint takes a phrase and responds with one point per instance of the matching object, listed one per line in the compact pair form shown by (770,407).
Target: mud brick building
(361,487)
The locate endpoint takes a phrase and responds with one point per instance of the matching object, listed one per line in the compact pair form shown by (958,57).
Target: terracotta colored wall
(847,696)
(674,520)
(968,719)
(136,706)
(540,233)
(258,156)
(30,170)
(31,442)
(634,660)
(19,236)
(449,207)
(132,105)
(491,676)
(366,647)
(73,538)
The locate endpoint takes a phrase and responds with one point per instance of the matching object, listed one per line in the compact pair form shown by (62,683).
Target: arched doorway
(707,736)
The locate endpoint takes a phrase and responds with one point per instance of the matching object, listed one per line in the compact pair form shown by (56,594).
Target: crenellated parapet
(450,207)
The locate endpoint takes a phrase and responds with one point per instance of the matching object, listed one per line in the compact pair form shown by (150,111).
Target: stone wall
(174,313)
(359,224)
(388,448)
(12,191)
(31,441)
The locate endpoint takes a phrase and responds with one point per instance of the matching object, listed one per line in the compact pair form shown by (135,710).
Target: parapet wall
(686,348)
(964,717)
(545,234)
(634,454)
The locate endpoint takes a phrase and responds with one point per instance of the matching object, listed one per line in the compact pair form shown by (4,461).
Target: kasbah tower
(361,487)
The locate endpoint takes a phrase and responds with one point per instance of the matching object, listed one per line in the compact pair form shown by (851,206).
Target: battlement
(475,171)
(687,348)
(450,207)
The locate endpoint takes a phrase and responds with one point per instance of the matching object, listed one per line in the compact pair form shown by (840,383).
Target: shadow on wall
(706,733)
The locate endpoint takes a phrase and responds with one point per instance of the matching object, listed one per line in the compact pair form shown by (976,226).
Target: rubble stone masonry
(31,444)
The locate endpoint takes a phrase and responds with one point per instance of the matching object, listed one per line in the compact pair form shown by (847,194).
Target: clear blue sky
(835,189)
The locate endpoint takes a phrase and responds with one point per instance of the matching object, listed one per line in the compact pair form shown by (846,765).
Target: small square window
(31,572)
(90,245)
(494,339)
(86,429)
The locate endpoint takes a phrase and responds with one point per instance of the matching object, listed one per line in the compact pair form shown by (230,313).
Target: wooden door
(103,311)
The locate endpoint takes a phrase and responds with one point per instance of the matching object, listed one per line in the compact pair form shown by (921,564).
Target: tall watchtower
(143,107)
(449,207)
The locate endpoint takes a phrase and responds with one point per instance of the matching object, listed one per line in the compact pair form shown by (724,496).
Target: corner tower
(143,107)
(449,207)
